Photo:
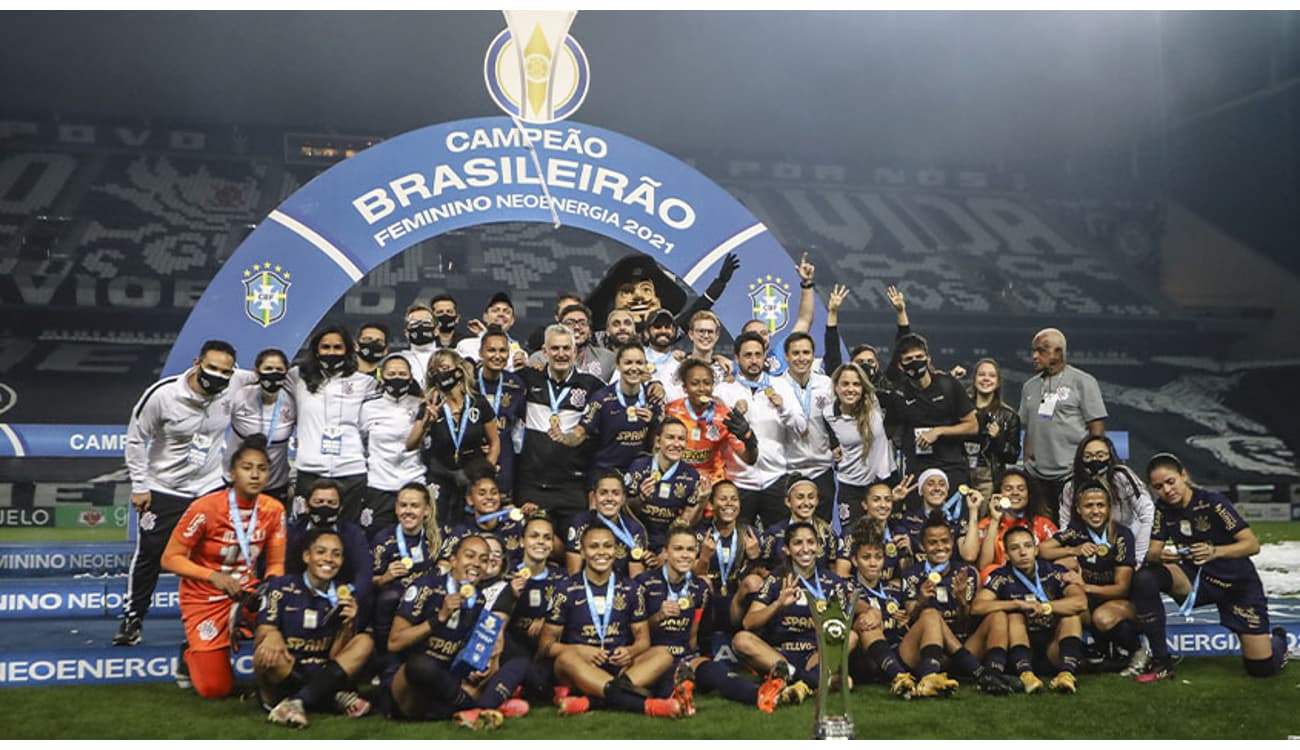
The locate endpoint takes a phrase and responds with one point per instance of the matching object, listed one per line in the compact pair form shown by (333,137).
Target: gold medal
(891,606)
(684,602)
(891,549)
(408,563)
(820,604)
(344,591)
(516,515)
(555,421)
(1005,503)
(467,590)
(963,489)
(1102,550)
(935,576)
(769,392)
(1047,608)
(631,413)
(655,477)
(637,553)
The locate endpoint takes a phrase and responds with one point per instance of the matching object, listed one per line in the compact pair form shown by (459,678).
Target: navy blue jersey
(730,551)
(387,551)
(570,610)
(1209,517)
(579,522)
(773,544)
(619,440)
(421,602)
(506,530)
(290,606)
(953,612)
(355,570)
(896,559)
(671,498)
(793,629)
(913,522)
(535,600)
(1099,569)
(1007,587)
(506,397)
(673,632)
(883,597)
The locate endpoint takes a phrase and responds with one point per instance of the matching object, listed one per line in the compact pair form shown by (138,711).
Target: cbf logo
(534,70)
(266,293)
(770,298)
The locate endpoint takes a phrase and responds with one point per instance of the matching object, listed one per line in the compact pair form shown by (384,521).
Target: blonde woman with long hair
(862,451)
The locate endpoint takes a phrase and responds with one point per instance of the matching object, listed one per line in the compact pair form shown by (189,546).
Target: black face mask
(1096,466)
(915,370)
(445,381)
(420,335)
(271,382)
(446,322)
(323,516)
(372,351)
(331,362)
(212,383)
(872,371)
(397,387)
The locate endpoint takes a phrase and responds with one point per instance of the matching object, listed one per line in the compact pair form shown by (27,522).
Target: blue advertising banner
(63,598)
(327,236)
(62,440)
(57,559)
(97,666)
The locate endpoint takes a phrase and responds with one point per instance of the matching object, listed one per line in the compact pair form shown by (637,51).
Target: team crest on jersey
(367,517)
(148,520)
(578,398)
(207,630)
(1202,523)
(620,601)
(769,297)
(680,490)
(266,293)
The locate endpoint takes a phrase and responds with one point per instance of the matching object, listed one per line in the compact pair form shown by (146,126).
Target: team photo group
(478,521)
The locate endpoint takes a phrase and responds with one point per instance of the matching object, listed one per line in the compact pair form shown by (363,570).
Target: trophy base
(833,728)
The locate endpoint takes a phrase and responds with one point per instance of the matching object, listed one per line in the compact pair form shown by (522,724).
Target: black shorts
(1243,607)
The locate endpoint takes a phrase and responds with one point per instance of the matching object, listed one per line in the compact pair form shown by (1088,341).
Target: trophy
(834,722)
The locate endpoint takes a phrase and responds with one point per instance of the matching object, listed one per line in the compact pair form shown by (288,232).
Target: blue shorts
(1243,607)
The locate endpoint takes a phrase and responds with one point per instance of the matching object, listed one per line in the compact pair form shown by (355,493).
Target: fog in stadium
(1130,178)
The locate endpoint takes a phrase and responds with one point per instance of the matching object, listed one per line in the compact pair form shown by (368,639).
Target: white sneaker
(350,704)
(288,712)
(1137,663)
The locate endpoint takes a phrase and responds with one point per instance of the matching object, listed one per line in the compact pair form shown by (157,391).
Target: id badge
(309,619)
(917,432)
(197,455)
(1185,527)
(726,554)
(331,441)
(1047,407)
(941,594)
(801,599)
(600,605)
(665,489)
(535,598)
(417,554)
(695,433)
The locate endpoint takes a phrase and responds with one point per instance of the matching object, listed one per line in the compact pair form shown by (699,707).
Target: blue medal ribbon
(668,586)
(804,394)
(452,588)
(401,544)
(620,531)
(952,507)
(332,593)
(667,476)
(701,419)
(1098,540)
(556,401)
(764,382)
(1035,588)
(275,417)
(496,399)
(494,515)
(243,534)
(814,588)
(458,432)
(880,594)
(655,358)
(539,577)
(599,621)
(640,396)
(940,568)
(1189,603)
(726,563)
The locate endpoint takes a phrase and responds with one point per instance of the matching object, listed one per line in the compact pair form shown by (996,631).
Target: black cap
(662,312)
(500,297)
(631,269)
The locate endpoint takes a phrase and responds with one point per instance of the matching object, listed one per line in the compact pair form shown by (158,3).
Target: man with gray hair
(1058,407)
(551,474)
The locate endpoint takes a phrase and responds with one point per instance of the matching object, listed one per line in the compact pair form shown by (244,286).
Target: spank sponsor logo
(266,293)
(534,70)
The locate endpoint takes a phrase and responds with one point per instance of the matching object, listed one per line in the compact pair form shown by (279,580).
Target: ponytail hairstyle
(432,531)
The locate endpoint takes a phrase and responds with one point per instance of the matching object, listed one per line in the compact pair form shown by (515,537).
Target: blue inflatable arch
(327,236)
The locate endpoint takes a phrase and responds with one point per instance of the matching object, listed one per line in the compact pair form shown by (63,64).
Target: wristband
(806,284)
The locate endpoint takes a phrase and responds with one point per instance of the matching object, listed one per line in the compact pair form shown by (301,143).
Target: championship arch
(327,236)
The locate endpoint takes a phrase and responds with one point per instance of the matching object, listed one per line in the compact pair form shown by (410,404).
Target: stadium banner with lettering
(75,598)
(143,663)
(328,235)
(59,559)
(62,440)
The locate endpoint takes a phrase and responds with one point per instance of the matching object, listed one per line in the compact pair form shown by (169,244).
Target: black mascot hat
(629,270)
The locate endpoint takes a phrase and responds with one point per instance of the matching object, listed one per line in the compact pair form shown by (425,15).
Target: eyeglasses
(575,323)
(704,332)
(1103,456)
